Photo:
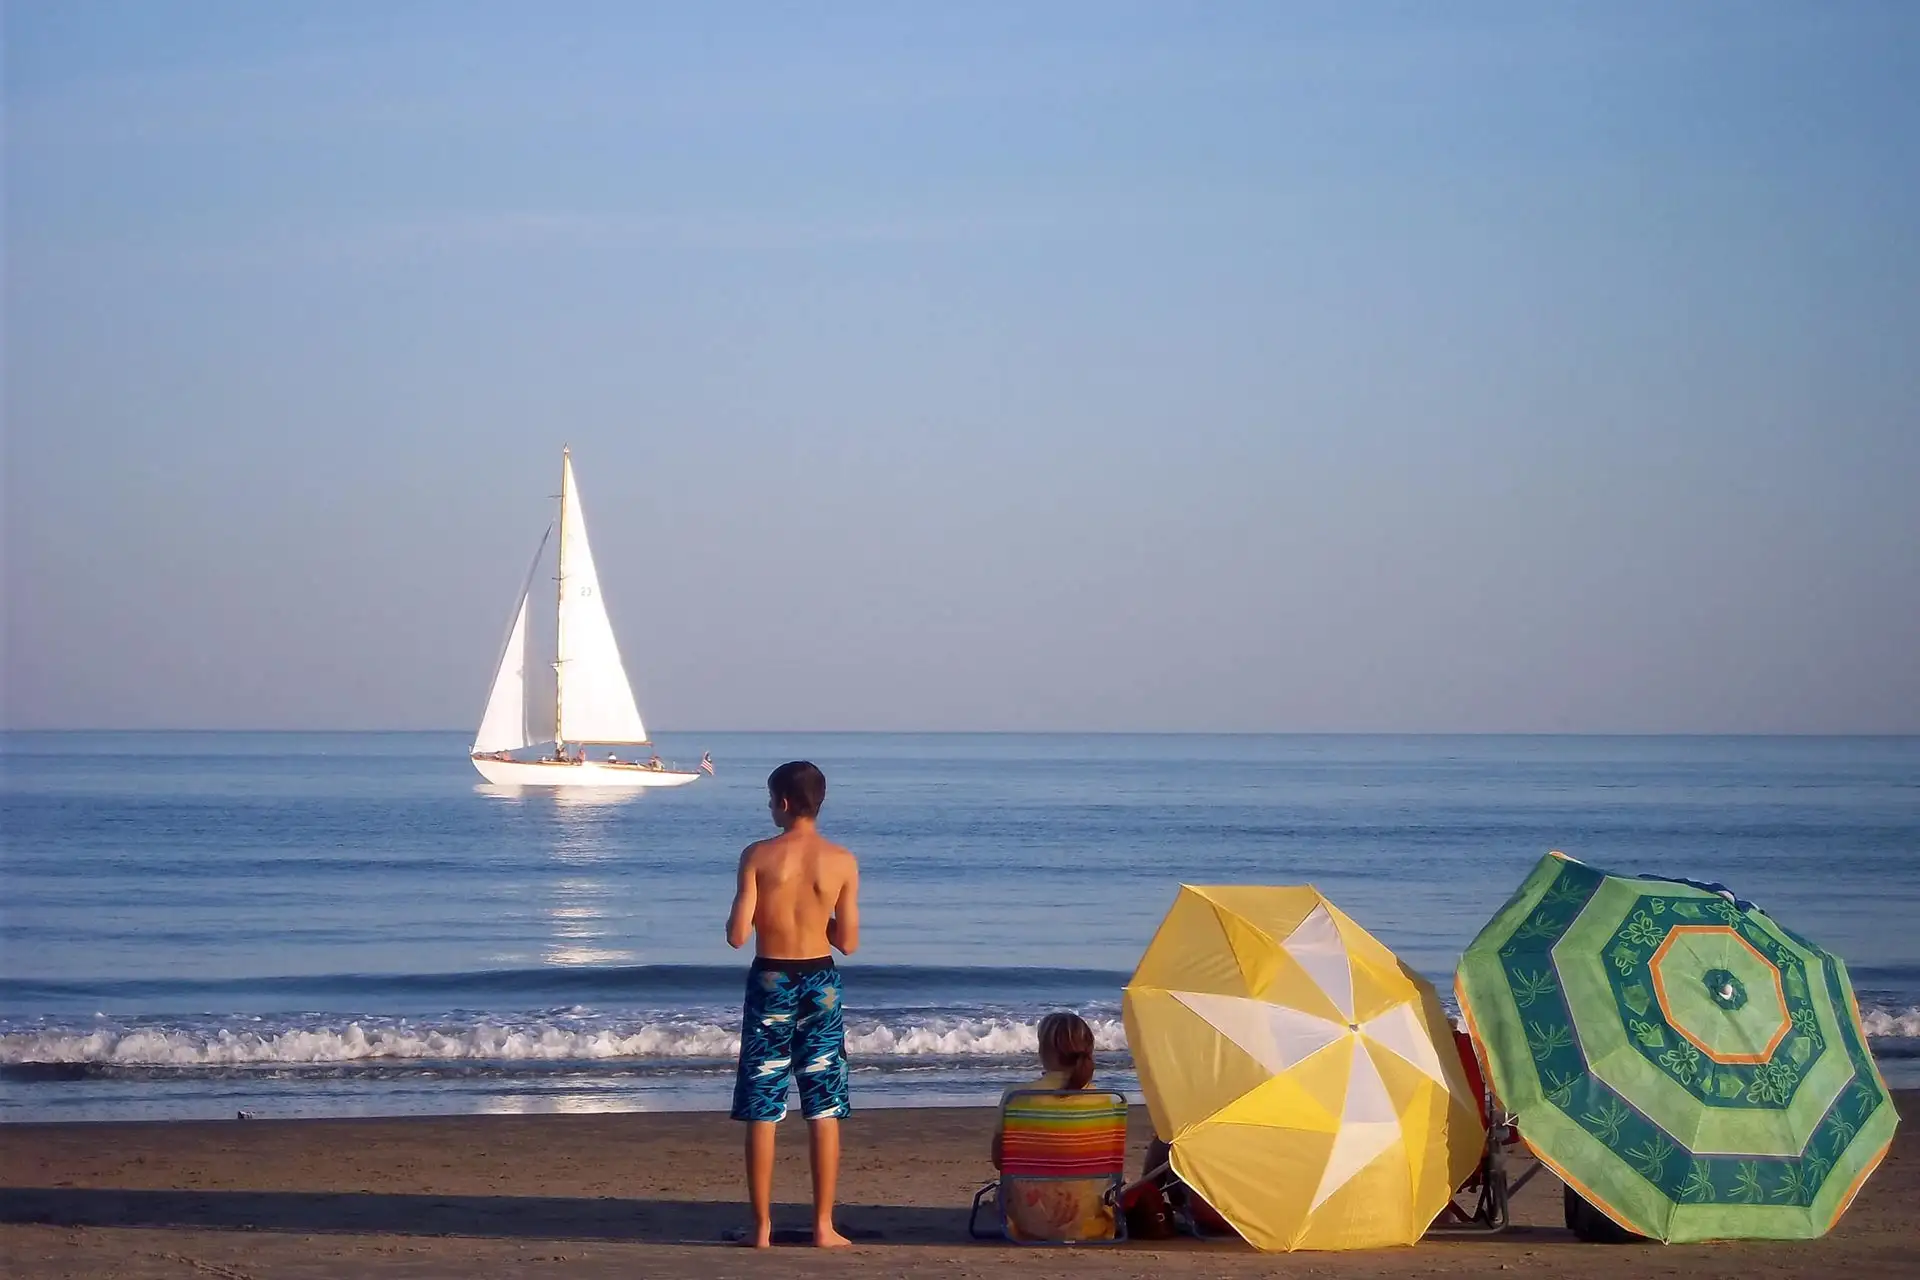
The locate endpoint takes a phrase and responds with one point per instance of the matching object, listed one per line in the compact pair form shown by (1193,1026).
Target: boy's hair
(800,787)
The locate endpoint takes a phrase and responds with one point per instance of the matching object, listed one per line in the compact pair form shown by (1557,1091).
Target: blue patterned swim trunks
(790,1029)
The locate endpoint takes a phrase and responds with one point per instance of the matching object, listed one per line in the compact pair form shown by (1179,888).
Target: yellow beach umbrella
(1305,1078)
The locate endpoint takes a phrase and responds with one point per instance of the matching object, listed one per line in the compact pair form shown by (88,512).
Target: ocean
(316,924)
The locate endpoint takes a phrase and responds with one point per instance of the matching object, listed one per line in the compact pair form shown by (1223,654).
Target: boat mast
(559,605)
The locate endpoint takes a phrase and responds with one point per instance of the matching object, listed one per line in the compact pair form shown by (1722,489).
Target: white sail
(504,727)
(595,701)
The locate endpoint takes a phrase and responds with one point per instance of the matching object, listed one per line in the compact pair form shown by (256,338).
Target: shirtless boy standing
(798,895)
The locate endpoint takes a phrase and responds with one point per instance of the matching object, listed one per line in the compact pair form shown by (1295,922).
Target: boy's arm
(843,931)
(745,898)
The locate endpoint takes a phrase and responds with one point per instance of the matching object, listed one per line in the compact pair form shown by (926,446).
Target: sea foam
(568,1039)
(363,1040)
(1891,1024)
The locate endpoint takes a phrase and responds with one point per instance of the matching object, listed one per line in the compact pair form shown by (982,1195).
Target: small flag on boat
(706,761)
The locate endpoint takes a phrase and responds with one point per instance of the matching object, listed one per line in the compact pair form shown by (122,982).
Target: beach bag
(1185,1210)
(1148,1217)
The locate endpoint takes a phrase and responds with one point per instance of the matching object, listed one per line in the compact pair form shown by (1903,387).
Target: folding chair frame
(1492,1206)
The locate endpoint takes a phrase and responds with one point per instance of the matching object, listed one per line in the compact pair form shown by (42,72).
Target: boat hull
(591,773)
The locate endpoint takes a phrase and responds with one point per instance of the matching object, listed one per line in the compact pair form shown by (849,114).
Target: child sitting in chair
(1068,1208)
(1066,1060)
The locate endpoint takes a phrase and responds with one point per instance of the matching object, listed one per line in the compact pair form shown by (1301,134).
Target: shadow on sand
(685,1222)
(496,1217)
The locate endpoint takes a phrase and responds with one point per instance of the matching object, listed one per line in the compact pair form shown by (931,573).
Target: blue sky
(1104,366)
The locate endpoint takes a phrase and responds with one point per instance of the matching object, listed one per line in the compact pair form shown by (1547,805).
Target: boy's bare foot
(761,1237)
(825,1237)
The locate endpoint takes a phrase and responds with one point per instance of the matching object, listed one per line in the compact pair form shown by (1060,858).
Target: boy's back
(800,906)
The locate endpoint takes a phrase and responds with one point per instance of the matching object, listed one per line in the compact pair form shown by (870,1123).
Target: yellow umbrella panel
(1305,1078)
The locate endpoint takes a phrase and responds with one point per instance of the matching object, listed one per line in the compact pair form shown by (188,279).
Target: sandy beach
(655,1195)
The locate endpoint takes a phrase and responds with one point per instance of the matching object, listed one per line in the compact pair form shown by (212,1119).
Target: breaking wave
(1890,1024)
(373,1039)
(563,1038)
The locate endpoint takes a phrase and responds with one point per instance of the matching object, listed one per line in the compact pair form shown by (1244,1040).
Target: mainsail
(504,727)
(595,702)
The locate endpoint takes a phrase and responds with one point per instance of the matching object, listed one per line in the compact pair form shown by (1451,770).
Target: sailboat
(596,724)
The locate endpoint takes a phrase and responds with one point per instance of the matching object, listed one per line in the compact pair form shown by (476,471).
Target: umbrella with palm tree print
(1690,1066)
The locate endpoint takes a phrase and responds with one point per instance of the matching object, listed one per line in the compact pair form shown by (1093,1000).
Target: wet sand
(656,1195)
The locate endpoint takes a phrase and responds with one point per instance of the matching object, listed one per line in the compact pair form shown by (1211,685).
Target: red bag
(1148,1217)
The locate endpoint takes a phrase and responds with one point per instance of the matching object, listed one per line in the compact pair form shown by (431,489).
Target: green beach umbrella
(1694,1069)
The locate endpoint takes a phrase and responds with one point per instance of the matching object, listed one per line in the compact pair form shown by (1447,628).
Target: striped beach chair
(1063,1157)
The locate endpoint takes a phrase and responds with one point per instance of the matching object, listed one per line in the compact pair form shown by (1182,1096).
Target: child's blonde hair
(1068,1040)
